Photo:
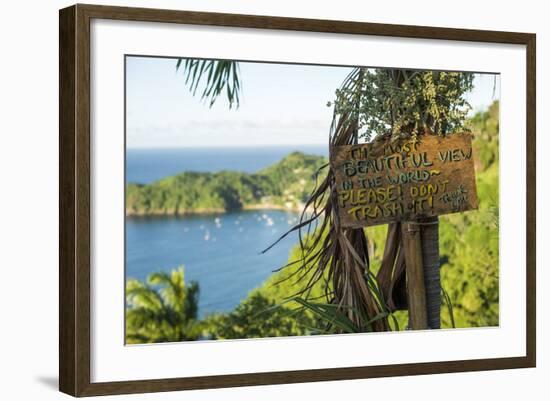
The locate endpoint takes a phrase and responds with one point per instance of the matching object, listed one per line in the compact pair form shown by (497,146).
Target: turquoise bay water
(219,251)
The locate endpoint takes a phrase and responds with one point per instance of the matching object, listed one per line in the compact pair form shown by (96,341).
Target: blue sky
(280,105)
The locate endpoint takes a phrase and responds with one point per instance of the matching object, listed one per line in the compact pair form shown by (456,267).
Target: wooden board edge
(67,266)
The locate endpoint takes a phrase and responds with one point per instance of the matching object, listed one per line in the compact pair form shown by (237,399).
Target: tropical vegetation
(162,309)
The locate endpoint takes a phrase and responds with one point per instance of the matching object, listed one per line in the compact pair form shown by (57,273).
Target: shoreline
(209,211)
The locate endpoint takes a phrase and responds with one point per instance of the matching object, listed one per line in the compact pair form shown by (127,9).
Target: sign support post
(429,230)
(416,290)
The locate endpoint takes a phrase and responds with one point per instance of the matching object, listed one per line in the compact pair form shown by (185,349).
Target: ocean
(219,251)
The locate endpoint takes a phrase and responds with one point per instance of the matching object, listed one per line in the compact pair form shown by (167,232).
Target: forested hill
(283,185)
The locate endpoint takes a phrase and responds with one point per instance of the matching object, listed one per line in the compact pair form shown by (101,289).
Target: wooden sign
(385,181)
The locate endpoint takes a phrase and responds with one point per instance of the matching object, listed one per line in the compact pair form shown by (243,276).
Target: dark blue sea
(219,251)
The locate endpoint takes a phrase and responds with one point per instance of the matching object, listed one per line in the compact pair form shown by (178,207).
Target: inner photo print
(268,200)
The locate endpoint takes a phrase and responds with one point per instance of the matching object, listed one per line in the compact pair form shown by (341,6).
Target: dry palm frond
(337,255)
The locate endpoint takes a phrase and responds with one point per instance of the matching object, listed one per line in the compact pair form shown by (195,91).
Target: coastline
(206,211)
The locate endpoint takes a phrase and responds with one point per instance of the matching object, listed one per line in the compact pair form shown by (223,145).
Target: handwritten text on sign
(383,182)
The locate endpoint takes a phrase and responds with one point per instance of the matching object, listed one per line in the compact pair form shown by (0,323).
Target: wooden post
(412,244)
(432,280)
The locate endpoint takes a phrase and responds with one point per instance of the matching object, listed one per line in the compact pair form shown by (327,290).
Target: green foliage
(469,242)
(485,126)
(333,319)
(285,184)
(257,317)
(404,102)
(162,309)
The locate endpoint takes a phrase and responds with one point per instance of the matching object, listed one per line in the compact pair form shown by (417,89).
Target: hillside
(283,185)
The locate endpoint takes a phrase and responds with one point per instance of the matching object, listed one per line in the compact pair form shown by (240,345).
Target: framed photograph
(249,200)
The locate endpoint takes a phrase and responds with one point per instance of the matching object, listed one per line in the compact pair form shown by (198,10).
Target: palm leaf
(213,76)
(335,255)
(449,304)
(162,309)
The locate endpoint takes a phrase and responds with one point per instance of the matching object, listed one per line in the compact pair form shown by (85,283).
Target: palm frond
(214,77)
(449,304)
(163,308)
(335,255)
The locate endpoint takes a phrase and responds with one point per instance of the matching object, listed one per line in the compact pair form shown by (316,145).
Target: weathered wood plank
(385,181)
(416,290)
